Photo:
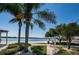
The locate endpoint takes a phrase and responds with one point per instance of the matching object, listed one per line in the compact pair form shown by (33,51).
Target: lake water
(31,40)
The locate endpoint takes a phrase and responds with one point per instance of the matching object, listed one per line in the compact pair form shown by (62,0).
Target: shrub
(9,51)
(62,52)
(12,49)
(39,50)
(12,46)
(21,47)
(66,52)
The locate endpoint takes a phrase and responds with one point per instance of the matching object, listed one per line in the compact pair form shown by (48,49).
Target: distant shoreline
(10,42)
(24,37)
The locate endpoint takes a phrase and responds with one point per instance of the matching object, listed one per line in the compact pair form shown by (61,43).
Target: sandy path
(38,44)
(51,49)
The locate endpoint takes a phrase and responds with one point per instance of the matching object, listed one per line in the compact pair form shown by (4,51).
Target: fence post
(0,37)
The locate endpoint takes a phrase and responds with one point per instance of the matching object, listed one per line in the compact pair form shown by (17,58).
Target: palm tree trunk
(26,35)
(19,32)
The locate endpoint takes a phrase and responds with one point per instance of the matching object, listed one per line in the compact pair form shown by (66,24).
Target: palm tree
(16,11)
(32,9)
(18,19)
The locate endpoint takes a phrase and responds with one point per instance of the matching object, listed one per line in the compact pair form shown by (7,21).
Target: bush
(12,49)
(9,51)
(39,50)
(12,46)
(66,52)
(62,52)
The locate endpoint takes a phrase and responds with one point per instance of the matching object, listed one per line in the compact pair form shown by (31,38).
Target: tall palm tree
(31,10)
(16,11)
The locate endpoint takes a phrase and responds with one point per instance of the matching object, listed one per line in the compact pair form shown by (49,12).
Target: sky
(65,13)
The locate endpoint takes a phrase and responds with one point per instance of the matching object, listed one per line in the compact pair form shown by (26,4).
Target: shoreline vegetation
(38,49)
(64,51)
(12,49)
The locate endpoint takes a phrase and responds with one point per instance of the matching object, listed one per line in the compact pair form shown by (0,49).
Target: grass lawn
(12,49)
(39,50)
(65,51)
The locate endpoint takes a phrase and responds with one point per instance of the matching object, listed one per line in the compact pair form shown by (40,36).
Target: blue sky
(65,13)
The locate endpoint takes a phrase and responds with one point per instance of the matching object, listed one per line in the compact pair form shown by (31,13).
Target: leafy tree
(51,33)
(61,31)
(72,29)
(66,31)
(58,31)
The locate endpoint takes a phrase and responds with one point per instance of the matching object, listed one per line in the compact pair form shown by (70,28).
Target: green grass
(62,52)
(65,52)
(9,51)
(12,49)
(39,50)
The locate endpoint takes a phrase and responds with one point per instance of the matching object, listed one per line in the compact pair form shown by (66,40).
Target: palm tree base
(25,50)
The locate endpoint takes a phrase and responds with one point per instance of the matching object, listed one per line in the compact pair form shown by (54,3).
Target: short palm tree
(33,15)
(18,19)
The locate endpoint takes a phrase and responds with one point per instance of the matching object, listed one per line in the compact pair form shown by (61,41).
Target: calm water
(31,40)
(13,40)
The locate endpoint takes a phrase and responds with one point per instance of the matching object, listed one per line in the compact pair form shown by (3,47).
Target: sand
(38,44)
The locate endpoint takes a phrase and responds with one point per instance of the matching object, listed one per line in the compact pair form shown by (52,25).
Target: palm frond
(37,5)
(2,7)
(47,16)
(39,23)
(29,7)
(14,20)
(13,9)
(31,25)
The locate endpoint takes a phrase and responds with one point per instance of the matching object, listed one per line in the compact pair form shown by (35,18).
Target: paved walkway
(51,50)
